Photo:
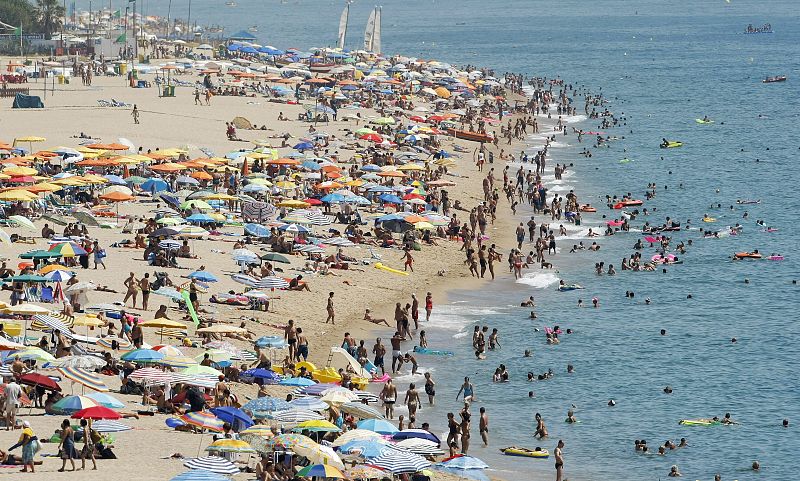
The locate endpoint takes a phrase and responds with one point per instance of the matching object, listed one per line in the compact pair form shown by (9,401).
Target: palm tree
(49,14)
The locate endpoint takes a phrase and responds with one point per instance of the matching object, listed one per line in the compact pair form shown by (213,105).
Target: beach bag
(36,445)
(101,254)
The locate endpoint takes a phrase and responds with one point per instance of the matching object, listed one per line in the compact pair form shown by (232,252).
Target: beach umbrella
(199,475)
(423,447)
(58,276)
(143,355)
(415,433)
(198,370)
(355,435)
(80,287)
(177,362)
(316,389)
(36,379)
(309,403)
(295,416)
(265,404)
(203,276)
(27,278)
(71,404)
(290,441)
(96,412)
(464,462)
(201,218)
(260,430)
(196,203)
(321,471)
(230,446)
(390,199)
(294,228)
(154,184)
(203,420)
(67,249)
(215,464)
(338,396)
(85,378)
(399,462)
(317,425)
(271,282)
(192,231)
(264,375)
(39,254)
(366,448)
(361,410)
(32,354)
(171,221)
(9,345)
(167,232)
(256,230)
(296,381)
(236,417)
(380,426)
(106,400)
(22,221)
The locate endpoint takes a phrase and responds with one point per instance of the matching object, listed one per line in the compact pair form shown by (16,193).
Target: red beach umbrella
(96,412)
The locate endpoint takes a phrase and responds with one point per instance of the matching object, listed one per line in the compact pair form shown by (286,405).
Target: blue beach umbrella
(265,375)
(200,475)
(106,400)
(236,417)
(367,448)
(201,219)
(390,199)
(257,230)
(309,404)
(297,382)
(266,404)
(311,165)
(154,184)
(115,179)
(143,355)
(203,276)
(379,426)
(370,168)
(333,198)
(270,341)
(303,146)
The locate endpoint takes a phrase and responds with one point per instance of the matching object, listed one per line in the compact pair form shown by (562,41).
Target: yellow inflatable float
(382,267)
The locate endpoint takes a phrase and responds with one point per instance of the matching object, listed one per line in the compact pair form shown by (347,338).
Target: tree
(49,15)
(18,13)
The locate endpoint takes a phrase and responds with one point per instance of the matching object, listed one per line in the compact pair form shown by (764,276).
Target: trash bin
(171,89)
(60,80)
(116,69)
(123,68)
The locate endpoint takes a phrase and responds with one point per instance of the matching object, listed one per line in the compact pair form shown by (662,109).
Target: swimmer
(673,472)
(570,369)
(663,332)
(756,466)
(571,417)
(683,443)
(612,403)
(667,390)
(528,303)
(786,423)
(530,394)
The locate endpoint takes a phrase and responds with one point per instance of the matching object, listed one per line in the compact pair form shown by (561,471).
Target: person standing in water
(469,391)
(559,460)
(430,388)
(483,426)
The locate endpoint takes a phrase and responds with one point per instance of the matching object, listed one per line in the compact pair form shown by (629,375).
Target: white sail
(370,31)
(343,26)
(376,33)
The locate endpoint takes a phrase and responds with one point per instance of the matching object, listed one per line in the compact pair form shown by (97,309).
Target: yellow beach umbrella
(294,204)
(220,196)
(163,323)
(19,171)
(88,321)
(17,195)
(409,167)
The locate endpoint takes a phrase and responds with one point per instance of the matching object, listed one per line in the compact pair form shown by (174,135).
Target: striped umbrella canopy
(315,390)
(111,344)
(399,462)
(321,471)
(361,410)
(230,446)
(464,462)
(80,362)
(317,425)
(258,443)
(260,430)
(72,404)
(32,354)
(58,276)
(354,435)
(151,374)
(416,433)
(215,464)
(177,362)
(271,282)
(309,404)
(308,249)
(199,475)
(294,416)
(44,322)
(109,426)
(204,420)
(338,395)
(168,350)
(67,249)
(86,378)
(366,448)
(423,447)
(338,241)
(106,400)
(265,404)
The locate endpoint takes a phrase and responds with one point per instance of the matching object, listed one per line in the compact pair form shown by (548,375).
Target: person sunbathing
(368,317)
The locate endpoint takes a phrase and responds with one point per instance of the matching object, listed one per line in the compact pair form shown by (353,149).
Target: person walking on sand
(67,446)
(428,306)
(331,312)
(135,114)
(99,254)
(88,445)
(290,336)
(559,459)
(132,289)
(197,97)
(409,261)
(144,286)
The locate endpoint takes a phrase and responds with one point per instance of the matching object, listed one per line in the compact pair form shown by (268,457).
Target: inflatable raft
(525,452)
(671,145)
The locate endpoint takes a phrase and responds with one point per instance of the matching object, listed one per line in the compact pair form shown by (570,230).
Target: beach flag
(121,39)
(118,14)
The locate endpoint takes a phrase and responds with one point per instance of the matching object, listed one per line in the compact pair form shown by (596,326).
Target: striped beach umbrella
(416,433)
(271,282)
(309,404)
(380,426)
(308,249)
(290,441)
(314,390)
(109,426)
(80,362)
(361,410)
(354,435)
(236,417)
(321,471)
(58,276)
(294,416)
(265,404)
(151,374)
(423,447)
(215,464)
(204,420)
(399,462)
(44,322)
(177,362)
(72,404)
(338,241)
(230,446)
(83,377)
(199,475)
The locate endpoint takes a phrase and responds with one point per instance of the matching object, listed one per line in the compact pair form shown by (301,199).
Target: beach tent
(22,101)
(341,359)
(242,123)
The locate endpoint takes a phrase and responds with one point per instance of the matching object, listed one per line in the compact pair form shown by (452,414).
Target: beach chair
(103,103)
(47,295)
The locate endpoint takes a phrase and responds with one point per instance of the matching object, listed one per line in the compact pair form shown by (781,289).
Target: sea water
(663,64)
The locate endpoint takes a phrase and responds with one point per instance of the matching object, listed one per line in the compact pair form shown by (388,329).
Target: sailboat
(343,26)
(372,35)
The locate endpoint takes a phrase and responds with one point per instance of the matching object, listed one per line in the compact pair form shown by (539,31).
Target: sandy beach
(165,123)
